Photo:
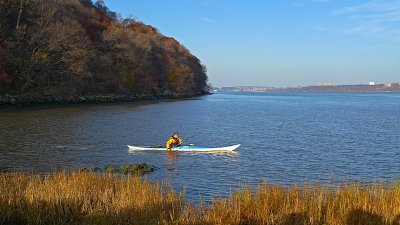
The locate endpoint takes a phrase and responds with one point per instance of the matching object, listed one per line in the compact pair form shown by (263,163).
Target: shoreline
(18,101)
(379,88)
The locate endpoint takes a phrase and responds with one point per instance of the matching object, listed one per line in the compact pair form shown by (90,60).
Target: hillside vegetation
(70,48)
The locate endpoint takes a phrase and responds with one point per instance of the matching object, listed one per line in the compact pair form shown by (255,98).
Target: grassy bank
(90,198)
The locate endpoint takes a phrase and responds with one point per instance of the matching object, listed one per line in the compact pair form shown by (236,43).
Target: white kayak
(186,148)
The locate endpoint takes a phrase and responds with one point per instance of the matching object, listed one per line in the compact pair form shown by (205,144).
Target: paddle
(187,139)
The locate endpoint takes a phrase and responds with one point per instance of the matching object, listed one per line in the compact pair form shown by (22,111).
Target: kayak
(185,148)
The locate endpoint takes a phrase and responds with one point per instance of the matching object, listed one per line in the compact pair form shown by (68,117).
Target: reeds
(93,198)
(85,198)
(346,204)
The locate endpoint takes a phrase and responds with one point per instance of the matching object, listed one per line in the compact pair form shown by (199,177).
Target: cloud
(322,1)
(379,19)
(208,20)
(297,5)
(373,48)
(372,6)
(301,4)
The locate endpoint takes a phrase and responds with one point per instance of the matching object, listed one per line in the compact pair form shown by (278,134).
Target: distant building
(391,84)
(327,84)
(371,83)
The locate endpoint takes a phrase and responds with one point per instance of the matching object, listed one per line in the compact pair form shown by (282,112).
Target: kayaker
(173,141)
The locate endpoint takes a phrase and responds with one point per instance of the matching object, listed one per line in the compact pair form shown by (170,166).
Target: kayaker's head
(175,135)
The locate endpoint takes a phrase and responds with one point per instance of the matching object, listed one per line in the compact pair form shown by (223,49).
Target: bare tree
(22,5)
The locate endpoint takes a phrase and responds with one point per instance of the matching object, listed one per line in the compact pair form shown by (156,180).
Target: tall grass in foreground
(85,198)
(90,198)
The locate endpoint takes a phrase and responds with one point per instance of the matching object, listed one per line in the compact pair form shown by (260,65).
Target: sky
(281,43)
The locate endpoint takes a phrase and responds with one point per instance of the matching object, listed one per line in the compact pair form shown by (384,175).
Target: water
(287,138)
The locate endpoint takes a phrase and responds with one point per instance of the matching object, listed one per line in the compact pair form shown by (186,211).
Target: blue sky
(281,42)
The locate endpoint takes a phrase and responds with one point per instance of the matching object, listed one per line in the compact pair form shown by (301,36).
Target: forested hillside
(70,48)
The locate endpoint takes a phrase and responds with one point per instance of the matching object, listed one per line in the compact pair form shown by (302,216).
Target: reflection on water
(286,138)
(172,156)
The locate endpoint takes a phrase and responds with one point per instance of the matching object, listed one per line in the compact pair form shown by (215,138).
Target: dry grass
(347,204)
(85,198)
(89,198)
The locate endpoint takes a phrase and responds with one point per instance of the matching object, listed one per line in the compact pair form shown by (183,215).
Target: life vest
(173,142)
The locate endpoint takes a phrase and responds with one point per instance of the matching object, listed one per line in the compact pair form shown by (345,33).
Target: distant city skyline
(281,43)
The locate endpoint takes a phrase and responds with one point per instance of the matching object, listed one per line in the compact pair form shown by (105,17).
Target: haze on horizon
(281,43)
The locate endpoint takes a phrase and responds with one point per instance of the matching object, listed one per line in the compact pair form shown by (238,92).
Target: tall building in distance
(326,84)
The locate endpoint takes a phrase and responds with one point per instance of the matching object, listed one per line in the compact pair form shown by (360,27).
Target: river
(287,138)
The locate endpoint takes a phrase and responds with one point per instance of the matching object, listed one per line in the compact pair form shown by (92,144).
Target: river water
(287,138)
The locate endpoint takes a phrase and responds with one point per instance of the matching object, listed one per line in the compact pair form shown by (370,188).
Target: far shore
(377,88)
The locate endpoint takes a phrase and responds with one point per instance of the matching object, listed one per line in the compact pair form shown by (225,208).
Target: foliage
(76,47)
